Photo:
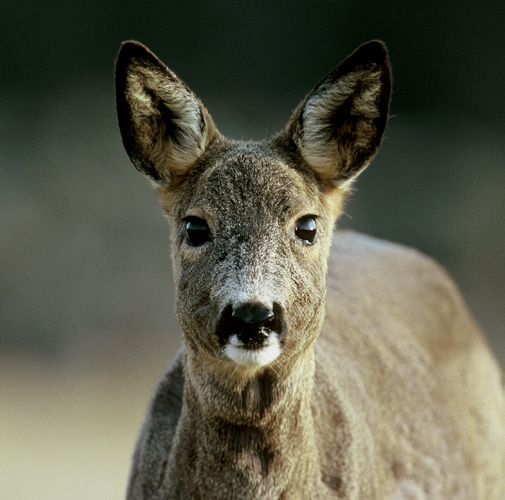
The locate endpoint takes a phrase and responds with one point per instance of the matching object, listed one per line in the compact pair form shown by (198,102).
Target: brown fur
(389,391)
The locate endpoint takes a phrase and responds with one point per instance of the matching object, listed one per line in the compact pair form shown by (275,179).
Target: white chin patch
(253,358)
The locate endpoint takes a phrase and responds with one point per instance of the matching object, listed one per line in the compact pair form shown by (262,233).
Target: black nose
(252,323)
(252,315)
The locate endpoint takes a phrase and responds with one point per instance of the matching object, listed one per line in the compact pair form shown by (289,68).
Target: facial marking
(236,351)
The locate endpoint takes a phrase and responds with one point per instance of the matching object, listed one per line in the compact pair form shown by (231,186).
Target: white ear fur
(339,126)
(319,147)
(165,127)
(149,93)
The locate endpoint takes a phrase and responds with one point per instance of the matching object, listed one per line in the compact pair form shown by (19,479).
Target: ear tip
(131,49)
(374,50)
(376,44)
(131,46)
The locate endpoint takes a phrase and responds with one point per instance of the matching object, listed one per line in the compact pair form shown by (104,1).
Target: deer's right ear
(164,126)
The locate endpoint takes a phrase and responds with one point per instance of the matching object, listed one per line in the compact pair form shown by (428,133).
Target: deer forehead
(250,185)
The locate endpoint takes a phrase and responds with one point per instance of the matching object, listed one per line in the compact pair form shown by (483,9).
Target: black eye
(197,231)
(306,229)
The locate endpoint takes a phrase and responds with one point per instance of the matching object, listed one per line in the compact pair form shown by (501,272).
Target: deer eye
(306,229)
(197,231)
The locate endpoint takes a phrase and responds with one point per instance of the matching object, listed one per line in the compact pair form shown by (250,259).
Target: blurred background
(86,319)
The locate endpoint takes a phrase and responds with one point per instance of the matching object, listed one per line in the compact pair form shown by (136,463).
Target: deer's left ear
(338,128)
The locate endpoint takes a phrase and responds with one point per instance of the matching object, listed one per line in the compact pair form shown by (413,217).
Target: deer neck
(254,433)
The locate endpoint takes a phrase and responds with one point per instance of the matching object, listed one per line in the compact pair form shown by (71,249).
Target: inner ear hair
(165,128)
(338,128)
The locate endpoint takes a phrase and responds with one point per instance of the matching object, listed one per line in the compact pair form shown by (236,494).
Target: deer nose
(251,323)
(252,315)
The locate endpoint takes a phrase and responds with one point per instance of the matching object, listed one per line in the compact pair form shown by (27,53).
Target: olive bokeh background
(86,317)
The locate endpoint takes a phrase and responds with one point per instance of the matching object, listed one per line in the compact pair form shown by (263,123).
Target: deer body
(388,392)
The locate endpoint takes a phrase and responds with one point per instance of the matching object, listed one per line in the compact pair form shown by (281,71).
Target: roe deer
(360,377)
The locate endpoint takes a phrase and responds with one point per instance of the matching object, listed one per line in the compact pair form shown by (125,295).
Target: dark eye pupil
(197,231)
(306,230)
